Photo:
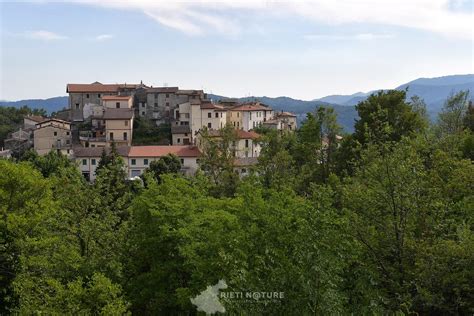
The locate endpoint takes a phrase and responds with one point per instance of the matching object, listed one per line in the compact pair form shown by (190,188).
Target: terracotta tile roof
(242,162)
(210,106)
(241,134)
(97,151)
(251,107)
(35,118)
(53,119)
(285,114)
(117,114)
(159,151)
(97,87)
(116,97)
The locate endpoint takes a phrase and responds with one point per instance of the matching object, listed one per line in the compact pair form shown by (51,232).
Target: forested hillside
(380,222)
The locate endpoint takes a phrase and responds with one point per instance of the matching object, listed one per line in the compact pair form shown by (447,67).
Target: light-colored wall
(200,118)
(241,151)
(189,165)
(235,119)
(123,104)
(45,140)
(118,127)
(178,139)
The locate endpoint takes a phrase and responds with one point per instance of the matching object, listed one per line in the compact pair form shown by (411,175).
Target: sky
(300,49)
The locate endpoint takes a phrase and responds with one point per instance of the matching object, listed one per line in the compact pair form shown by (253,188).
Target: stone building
(53,134)
(86,96)
(248,116)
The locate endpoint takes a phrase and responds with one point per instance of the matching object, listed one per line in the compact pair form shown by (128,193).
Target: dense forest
(378,222)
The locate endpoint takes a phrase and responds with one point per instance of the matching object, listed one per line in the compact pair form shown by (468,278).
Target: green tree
(164,165)
(25,205)
(451,120)
(217,160)
(386,116)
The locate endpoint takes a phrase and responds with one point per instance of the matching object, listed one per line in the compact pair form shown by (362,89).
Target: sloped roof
(97,151)
(251,107)
(116,97)
(242,162)
(117,114)
(35,118)
(283,114)
(159,151)
(162,90)
(97,87)
(180,129)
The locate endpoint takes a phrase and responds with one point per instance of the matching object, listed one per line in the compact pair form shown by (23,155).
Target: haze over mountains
(433,90)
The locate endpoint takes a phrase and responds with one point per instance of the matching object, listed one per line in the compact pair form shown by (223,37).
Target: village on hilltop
(100,115)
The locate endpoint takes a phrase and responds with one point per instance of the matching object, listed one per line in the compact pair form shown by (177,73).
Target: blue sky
(299,49)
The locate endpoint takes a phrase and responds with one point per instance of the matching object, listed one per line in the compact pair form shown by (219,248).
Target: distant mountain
(433,90)
(342,99)
(50,105)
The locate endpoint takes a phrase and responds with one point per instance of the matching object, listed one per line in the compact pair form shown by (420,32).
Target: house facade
(249,116)
(83,97)
(53,134)
(136,158)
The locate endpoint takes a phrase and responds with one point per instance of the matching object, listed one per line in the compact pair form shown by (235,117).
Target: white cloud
(202,16)
(103,37)
(44,35)
(359,37)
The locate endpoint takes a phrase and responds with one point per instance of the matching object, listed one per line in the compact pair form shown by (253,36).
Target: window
(233,143)
(209,125)
(126,123)
(185,134)
(156,96)
(111,136)
(77,106)
(68,151)
(87,95)
(68,142)
(246,143)
(238,114)
(135,173)
(92,145)
(55,133)
(217,114)
(93,162)
(167,104)
(250,115)
(167,95)
(117,105)
(84,162)
(156,104)
(178,140)
(134,162)
(98,95)
(209,115)
(145,162)
(246,154)
(125,136)
(182,161)
(67,133)
(143,113)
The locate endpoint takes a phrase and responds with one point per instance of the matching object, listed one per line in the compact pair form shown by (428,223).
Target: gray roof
(97,151)
(180,129)
(117,114)
(250,161)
